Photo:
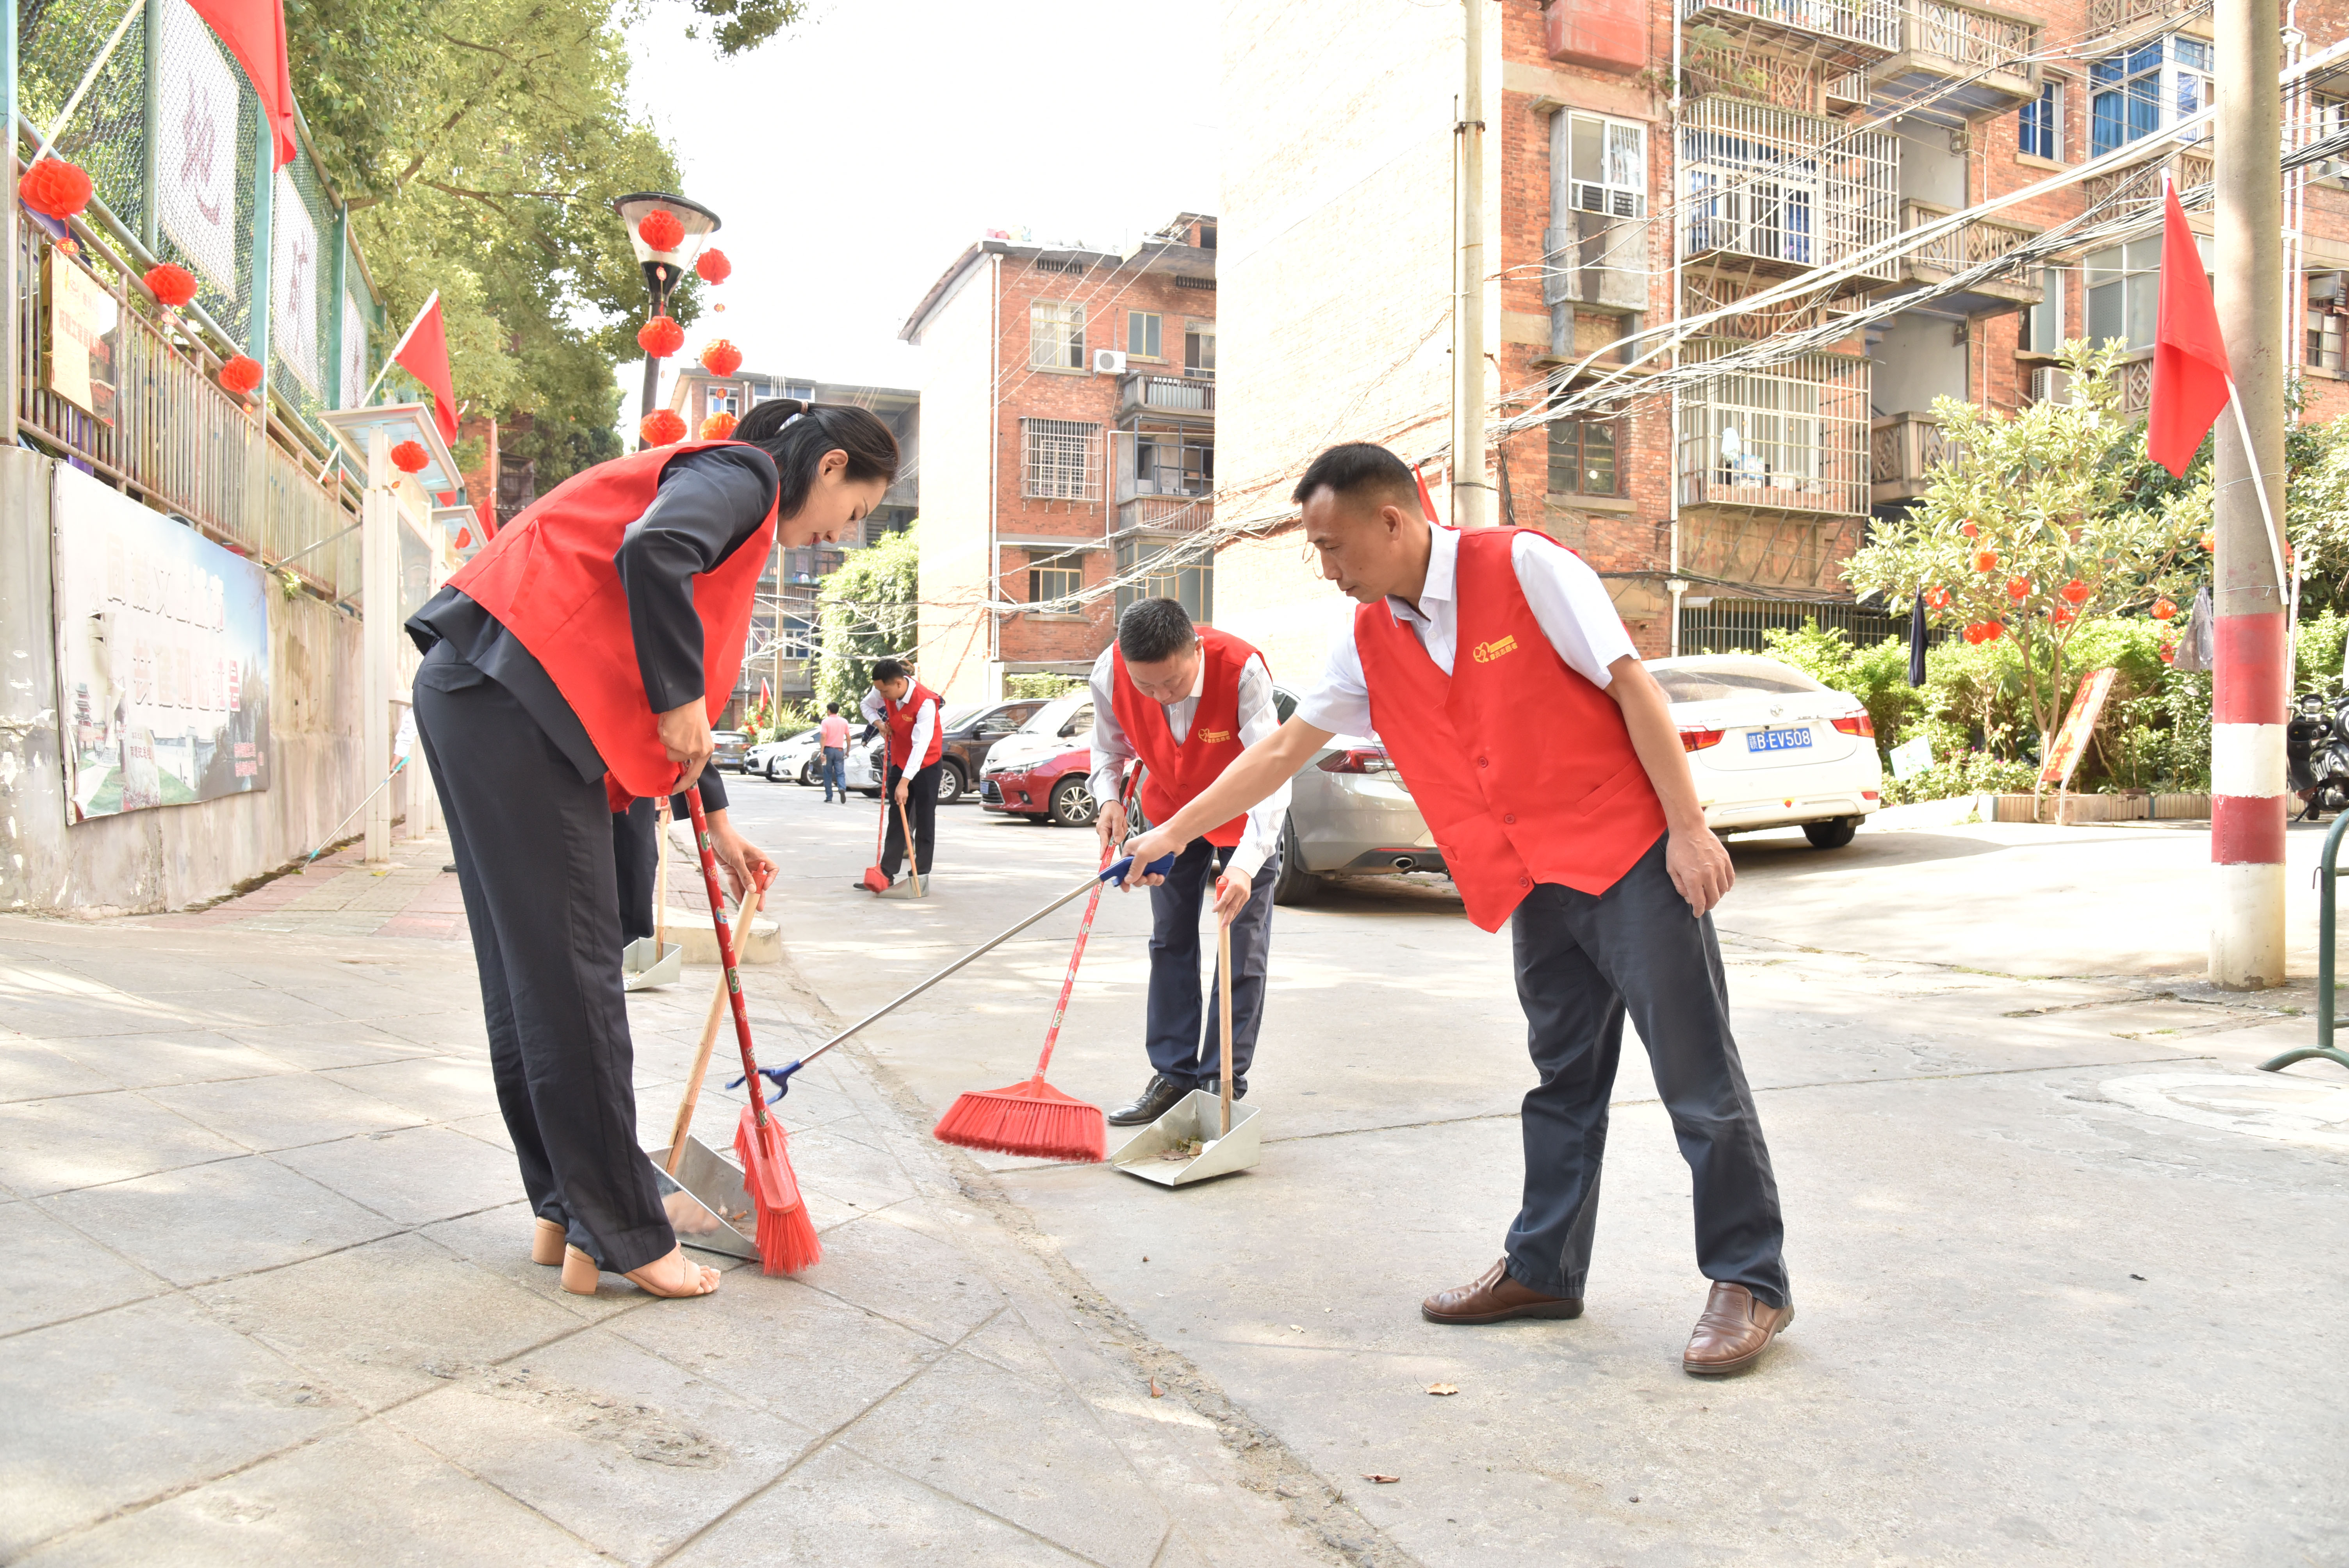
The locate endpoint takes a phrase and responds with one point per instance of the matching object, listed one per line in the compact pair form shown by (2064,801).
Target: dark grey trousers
(1583,963)
(922,806)
(1186,1033)
(533,851)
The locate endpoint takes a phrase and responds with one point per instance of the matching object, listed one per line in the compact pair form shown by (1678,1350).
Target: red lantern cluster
(1986,560)
(172,285)
(410,458)
(1937,598)
(662,427)
(55,189)
(241,375)
(660,229)
(1969,529)
(1985,632)
(718,427)
(2163,609)
(714,267)
(721,357)
(2075,592)
(2169,653)
(2063,614)
(2018,588)
(660,336)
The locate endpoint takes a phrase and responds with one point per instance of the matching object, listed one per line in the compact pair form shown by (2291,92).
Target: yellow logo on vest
(1215,737)
(1486,653)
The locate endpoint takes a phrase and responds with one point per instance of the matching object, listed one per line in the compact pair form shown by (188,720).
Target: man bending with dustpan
(1545,758)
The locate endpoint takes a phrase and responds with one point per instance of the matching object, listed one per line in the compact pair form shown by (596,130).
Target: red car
(1040,770)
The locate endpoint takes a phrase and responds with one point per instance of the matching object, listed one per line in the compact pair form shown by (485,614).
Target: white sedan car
(795,757)
(1771,748)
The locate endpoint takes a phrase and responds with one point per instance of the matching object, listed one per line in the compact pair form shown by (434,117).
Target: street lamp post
(663,268)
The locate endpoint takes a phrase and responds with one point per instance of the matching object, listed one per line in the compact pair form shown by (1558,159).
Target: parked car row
(1769,747)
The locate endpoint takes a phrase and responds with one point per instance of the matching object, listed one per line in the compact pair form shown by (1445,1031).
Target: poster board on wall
(162,657)
(84,337)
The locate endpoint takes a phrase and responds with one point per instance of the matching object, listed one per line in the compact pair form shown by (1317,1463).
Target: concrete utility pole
(1471,497)
(2252,669)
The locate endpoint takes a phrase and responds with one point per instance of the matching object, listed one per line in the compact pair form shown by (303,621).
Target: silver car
(1350,815)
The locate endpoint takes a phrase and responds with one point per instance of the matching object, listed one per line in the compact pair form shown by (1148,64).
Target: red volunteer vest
(901,728)
(548,576)
(1524,768)
(1177,774)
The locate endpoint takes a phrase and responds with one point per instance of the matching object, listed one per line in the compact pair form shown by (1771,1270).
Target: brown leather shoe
(1494,1297)
(1734,1331)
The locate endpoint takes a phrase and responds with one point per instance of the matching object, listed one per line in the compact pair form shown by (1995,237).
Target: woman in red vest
(574,665)
(1545,758)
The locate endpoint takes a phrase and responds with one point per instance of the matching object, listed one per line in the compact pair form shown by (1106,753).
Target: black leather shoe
(1214,1084)
(1157,1097)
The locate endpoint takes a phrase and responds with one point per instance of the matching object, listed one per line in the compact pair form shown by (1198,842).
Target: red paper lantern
(1937,598)
(1974,633)
(718,427)
(1969,529)
(2169,653)
(721,357)
(2163,609)
(2210,543)
(2018,587)
(171,284)
(410,458)
(1986,560)
(714,267)
(662,427)
(241,375)
(2075,591)
(661,230)
(660,337)
(2063,614)
(1993,630)
(55,189)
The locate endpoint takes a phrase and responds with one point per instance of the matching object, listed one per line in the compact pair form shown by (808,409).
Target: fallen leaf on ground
(1295,1328)
(1383,1480)
(1443,1387)
(1155,1391)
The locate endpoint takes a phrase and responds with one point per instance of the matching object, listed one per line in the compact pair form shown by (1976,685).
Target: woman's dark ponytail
(796,435)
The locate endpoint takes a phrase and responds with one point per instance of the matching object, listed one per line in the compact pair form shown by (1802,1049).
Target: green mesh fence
(57,40)
(301,287)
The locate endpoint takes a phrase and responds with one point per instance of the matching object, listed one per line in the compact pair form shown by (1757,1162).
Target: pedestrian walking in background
(1184,702)
(909,710)
(832,735)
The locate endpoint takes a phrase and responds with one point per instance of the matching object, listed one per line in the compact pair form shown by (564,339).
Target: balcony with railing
(1938,259)
(1177,395)
(2137,191)
(1837,33)
(1790,437)
(1164,516)
(1902,449)
(1772,192)
(1959,62)
(2111,16)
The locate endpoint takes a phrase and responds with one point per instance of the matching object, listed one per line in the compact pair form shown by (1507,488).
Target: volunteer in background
(1545,758)
(1184,701)
(910,712)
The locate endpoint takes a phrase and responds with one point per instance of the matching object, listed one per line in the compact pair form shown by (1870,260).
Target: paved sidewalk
(271,1301)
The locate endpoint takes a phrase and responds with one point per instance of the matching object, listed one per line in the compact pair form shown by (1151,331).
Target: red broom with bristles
(1033,1118)
(786,1236)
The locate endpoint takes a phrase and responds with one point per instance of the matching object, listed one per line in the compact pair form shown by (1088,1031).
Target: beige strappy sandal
(662,1277)
(546,1242)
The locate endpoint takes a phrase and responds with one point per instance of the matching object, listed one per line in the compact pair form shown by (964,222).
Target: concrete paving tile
(32,1070)
(368,1498)
(786,1347)
(213,1221)
(57,1272)
(416,1176)
(1062,1478)
(906,1276)
(259,1004)
(147,972)
(458,1033)
(135,1402)
(831,1161)
(490,1128)
(83,1140)
(287,1111)
(841,1508)
(497,1241)
(311,1049)
(440,1089)
(161,1061)
(613,1443)
(387,1320)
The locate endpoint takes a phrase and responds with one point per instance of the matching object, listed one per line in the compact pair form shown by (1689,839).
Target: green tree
(866,612)
(2034,526)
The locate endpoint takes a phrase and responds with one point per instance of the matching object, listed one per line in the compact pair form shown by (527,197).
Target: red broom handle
(1084,929)
(726,953)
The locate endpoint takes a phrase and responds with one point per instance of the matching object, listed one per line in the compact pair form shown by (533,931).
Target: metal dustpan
(649,961)
(905,887)
(1150,1153)
(707,1202)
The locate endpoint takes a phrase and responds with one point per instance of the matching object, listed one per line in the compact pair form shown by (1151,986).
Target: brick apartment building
(1069,400)
(1804,131)
(782,638)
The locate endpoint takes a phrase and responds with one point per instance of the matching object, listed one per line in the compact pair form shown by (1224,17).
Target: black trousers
(636,863)
(1185,1031)
(533,848)
(922,805)
(1583,962)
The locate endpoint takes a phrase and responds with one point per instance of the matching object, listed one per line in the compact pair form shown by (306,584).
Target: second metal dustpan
(1153,1152)
(647,962)
(707,1206)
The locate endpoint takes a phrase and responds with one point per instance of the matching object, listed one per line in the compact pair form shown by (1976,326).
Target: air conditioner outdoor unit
(2051,384)
(1108,362)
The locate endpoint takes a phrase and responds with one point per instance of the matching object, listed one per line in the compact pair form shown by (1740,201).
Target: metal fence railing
(1737,626)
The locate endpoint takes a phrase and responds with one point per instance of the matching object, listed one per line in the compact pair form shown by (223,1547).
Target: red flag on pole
(423,352)
(2191,380)
(1426,501)
(254,32)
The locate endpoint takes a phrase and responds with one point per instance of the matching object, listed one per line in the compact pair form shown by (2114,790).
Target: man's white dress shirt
(1261,839)
(926,724)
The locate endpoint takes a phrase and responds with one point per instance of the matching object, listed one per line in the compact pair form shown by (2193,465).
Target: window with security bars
(1056,335)
(1060,459)
(1166,572)
(1582,458)
(1607,165)
(2325,340)
(1052,577)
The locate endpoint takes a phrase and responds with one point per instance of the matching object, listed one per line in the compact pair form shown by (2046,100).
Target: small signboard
(2072,740)
(1911,758)
(84,337)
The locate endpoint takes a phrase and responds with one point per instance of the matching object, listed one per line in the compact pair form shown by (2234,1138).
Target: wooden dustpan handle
(1224,1003)
(913,860)
(742,918)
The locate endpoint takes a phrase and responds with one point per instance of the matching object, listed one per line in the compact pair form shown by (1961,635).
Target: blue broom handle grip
(1115,871)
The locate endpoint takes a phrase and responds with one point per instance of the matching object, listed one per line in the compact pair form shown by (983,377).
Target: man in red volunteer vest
(1545,758)
(574,665)
(909,711)
(1183,702)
